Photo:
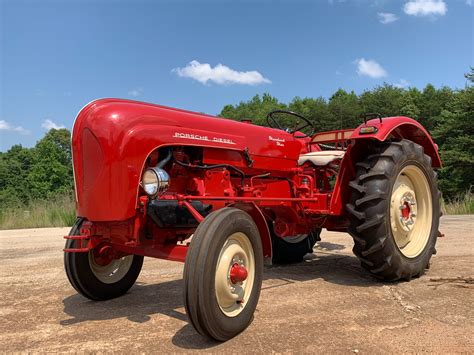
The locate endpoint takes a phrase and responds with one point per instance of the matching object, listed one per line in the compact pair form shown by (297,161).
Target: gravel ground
(326,303)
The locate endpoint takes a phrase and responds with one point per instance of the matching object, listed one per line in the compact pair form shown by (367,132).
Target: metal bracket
(366,116)
(247,157)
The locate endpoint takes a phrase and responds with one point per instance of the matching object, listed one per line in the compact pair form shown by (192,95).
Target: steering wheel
(273,122)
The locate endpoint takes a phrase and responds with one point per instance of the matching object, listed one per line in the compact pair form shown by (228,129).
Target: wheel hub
(107,265)
(238,273)
(103,255)
(407,209)
(403,211)
(411,211)
(234,274)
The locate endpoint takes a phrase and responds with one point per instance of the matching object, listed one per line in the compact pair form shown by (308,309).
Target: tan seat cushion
(321,158)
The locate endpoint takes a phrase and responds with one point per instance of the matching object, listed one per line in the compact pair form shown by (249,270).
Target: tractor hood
(112,138)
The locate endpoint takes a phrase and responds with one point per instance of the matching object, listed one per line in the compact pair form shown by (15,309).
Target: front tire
(223,274)
(94,280)
(394,211)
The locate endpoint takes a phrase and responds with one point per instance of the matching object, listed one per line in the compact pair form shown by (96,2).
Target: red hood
(112,138)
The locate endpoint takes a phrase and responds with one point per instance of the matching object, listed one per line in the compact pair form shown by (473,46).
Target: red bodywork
(114,140)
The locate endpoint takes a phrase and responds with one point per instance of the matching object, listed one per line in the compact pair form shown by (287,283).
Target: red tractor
(227,197)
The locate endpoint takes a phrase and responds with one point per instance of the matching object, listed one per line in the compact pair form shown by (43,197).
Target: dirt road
(327,303)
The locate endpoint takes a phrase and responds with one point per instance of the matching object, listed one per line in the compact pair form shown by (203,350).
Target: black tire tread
(196,268)
(368,216)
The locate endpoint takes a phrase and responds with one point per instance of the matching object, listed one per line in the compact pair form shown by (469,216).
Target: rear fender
(402,128)
(386,128)
(262,226)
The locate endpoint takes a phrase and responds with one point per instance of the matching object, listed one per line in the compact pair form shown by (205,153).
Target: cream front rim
(232,297)
(112,272)
(411,211)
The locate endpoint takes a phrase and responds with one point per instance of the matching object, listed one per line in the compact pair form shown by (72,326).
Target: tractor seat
(321,158)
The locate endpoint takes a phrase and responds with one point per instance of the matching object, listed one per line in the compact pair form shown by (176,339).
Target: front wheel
(223,274)
(95,278)
(394,211)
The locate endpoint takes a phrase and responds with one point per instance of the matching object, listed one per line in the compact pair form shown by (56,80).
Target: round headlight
(154,181)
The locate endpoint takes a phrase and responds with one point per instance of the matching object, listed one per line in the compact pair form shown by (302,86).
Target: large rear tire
(293,249)
(394,211)
(94,280)
(223,274)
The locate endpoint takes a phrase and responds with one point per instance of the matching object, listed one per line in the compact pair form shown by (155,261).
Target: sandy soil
(327,303)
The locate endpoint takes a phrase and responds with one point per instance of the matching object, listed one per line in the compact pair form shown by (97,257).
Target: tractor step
(81,248)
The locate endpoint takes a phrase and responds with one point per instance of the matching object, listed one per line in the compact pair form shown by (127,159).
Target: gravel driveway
(327,303)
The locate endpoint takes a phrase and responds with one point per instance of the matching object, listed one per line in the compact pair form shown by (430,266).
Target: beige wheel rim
(112,272)
(237,253)
(411,211)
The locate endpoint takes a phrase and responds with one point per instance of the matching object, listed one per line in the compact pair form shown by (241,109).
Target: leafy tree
(385,99)
(345,110)
(14,167)
(409,108)
(316,110)
(455,136)
(51,172)
(256,109)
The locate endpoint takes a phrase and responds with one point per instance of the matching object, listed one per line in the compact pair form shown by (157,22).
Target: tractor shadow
(137,305)
(328,264)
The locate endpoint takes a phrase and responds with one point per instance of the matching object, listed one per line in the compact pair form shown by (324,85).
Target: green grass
(57,212)
(460,205)
(60,212)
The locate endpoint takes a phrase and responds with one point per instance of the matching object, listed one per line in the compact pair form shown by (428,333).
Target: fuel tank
(112,138)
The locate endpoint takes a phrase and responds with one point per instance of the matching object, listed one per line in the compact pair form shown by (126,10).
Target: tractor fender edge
(401,127)
(259,219)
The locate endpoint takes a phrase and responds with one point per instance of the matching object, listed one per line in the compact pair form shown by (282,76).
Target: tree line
(45,170)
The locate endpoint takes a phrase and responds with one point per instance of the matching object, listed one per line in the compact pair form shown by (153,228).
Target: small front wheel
(96,278)
(223,274)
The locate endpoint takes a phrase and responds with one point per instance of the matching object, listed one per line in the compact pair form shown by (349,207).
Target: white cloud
(48,124)
(136,92)
(425,7)
(403,83)
(371,68)
(387,17)
(220,74)
(469,2)
(5,126)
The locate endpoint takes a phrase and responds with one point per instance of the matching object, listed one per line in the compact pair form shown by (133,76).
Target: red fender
(257,216)
(398,127)
(401,127)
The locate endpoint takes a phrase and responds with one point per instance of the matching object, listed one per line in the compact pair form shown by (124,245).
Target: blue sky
(56,56)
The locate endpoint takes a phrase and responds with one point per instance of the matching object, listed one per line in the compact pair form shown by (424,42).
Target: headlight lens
(155,181)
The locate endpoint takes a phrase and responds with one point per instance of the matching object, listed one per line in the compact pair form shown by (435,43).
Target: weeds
(460,205)
(57,212)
